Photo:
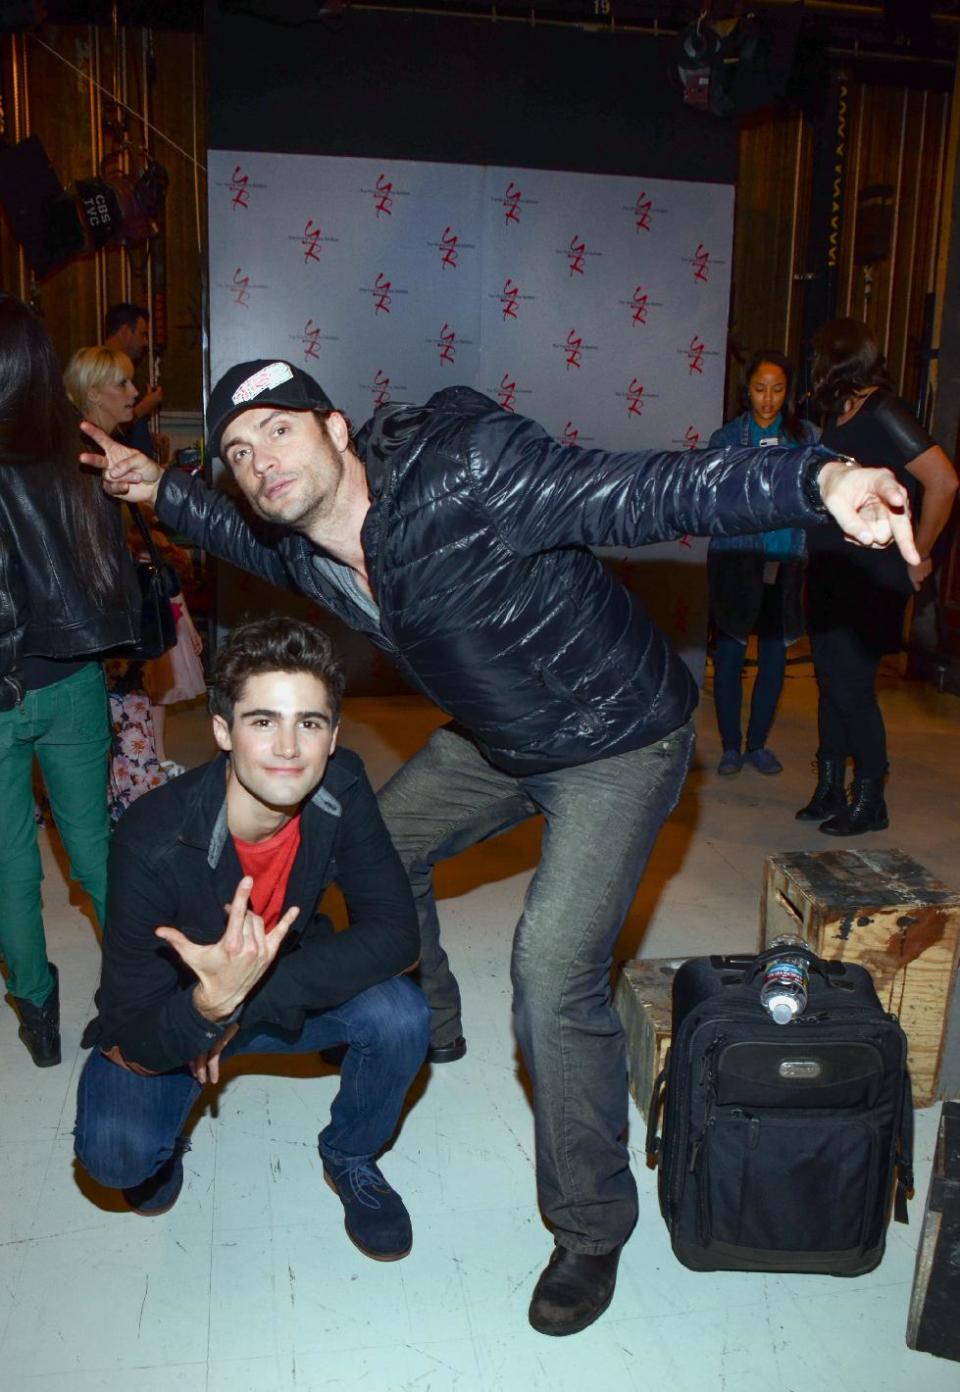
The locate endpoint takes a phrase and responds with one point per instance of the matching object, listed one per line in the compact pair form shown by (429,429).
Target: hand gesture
(919,573)
(229,969)
(150,401)
(206,1067)
(869,506)
(126,472)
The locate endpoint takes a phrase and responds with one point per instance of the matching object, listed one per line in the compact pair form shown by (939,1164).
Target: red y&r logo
(692,438)
(381,389)
(382,292)
(311,241)
(701,263)
(448,344)
(641,212)
(635,398)
(507,392)
(695,354)
(239,187)
(571,434)
(383,195)
(311,339)
(449,243)
(241,288)
(574,349)
(510,299)
(576,255)
(511,203)
(639,305)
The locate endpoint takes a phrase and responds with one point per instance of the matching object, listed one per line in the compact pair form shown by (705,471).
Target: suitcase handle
(828,970)
(653,1116)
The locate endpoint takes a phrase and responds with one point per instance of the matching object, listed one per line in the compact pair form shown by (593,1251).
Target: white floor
(250,1283)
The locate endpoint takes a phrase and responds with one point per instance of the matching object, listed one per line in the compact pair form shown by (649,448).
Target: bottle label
(786,974)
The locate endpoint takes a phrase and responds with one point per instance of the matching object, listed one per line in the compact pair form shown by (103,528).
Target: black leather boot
(866,810)
(573,1291)
(40,1025)
(828,796)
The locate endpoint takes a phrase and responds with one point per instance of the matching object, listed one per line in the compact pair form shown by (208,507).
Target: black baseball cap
(264,382)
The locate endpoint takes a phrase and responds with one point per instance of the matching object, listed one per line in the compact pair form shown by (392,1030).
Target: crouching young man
(212,946)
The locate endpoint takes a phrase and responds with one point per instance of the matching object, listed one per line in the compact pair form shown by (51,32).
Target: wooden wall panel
(898,140)
(895,136)
(63,103)
(180,112)
(769,240)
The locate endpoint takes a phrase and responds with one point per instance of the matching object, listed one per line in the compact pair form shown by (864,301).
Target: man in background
(126,328)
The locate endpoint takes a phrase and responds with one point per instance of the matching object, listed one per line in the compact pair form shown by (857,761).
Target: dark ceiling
(909,28)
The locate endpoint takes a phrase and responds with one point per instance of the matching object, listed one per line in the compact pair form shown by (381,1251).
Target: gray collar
(321,799)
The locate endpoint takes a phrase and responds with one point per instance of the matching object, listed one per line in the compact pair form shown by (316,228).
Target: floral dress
(134,767)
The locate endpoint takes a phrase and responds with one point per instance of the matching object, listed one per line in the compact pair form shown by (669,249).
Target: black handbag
(158,583)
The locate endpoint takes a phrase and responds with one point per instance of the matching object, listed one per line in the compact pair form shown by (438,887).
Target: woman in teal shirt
(756,581)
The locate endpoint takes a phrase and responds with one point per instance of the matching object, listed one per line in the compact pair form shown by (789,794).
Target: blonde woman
(99,383)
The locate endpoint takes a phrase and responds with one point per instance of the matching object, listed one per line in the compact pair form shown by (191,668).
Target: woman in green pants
(67,593)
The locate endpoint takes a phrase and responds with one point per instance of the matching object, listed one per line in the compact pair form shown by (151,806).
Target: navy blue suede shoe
(763,760)
(156,1195)
(373,1214)
(730,762)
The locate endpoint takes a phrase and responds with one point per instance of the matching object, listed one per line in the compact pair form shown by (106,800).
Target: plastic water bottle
(785,981)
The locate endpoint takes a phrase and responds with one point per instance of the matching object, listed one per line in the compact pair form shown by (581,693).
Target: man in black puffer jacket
(456,535)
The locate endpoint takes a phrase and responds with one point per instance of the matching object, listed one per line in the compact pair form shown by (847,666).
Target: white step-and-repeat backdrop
(595,304)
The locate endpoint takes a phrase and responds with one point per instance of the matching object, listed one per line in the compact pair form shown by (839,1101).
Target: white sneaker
(171,768)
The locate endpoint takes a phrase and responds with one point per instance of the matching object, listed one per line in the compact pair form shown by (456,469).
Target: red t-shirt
(269,864)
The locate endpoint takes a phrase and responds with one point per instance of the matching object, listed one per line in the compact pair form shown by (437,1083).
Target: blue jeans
(128,1123)
(600,822)
(728,657)
(66,726)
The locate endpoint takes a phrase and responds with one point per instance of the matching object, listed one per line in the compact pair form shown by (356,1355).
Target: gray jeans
(600,822)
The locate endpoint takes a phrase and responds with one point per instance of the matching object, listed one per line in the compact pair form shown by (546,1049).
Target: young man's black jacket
(173,862)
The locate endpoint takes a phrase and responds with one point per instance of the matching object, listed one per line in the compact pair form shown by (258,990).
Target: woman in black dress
(856,597)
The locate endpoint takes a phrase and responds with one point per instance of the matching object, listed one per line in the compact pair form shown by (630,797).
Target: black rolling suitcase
(782,1145)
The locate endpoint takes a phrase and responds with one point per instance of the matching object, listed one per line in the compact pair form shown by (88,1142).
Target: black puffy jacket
(46,608)
(491,602)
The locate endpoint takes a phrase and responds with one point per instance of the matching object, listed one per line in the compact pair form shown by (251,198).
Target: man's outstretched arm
(208,518)
(543,494)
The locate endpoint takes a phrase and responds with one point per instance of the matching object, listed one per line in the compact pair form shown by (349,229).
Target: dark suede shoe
(447,1053)
(40,1025)
(156,1195)
(574,1289)
(373,1214)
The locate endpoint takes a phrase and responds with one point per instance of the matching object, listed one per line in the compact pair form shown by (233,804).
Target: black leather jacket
(491,602)
(46,608)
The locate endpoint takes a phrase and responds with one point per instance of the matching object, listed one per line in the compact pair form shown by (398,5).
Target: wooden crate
(933,1325)
(643,1001)
(885,911)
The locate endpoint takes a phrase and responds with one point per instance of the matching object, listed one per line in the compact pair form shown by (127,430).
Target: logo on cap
(264,380)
